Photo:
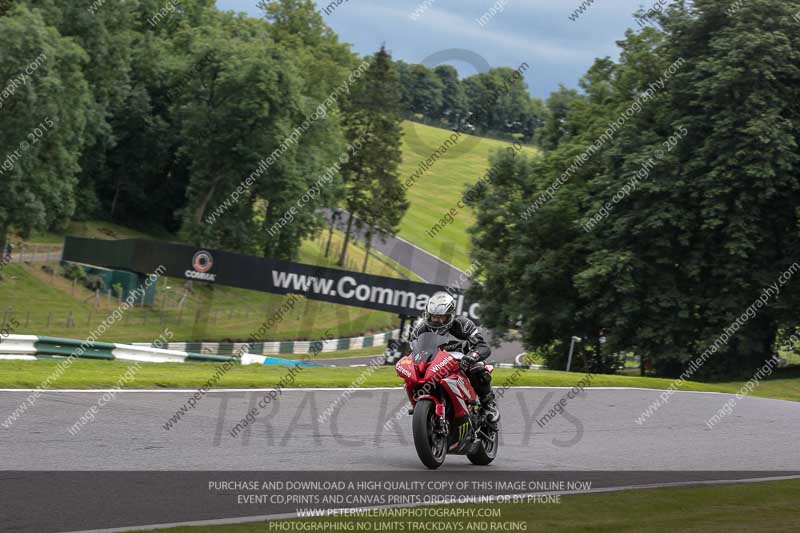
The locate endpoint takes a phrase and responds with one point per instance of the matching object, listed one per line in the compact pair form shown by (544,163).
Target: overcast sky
(537,32)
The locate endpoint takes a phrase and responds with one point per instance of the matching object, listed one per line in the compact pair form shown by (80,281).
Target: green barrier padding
(315,347)
(225,348)
(75,342)
(286,347)
(194,347)
(68,347)
(199,358)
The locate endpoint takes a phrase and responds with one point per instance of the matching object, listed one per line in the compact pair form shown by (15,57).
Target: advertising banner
(259,274)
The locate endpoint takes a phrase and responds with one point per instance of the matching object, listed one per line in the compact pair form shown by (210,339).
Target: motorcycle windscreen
(426,346)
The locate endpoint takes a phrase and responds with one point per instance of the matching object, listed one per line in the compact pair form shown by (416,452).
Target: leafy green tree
(194,14)
(324,61)
(105,33)
(533,118)
(553,128)
(146,182)
(260,128)
(403,72)
(498,100)
(326,69)
(706,228)
(454,106)
(372,120)
(44,118)
(548,254)
(236,110)
(426,89)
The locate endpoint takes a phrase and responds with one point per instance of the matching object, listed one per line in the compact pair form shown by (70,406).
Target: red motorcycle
(446,409)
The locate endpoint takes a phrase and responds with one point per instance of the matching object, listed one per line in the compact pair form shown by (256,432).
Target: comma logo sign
(202,262)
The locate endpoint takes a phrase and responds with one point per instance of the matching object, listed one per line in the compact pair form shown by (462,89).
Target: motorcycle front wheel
(431,446)
(487,449)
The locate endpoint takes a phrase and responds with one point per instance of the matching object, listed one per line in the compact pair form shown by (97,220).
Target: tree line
(496,102)
(180,117)
(662,219)
(211,126)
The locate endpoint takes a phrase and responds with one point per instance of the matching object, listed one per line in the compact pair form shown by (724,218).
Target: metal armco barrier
(282,347)
(32,347)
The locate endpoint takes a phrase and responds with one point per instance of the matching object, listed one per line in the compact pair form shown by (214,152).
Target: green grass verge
(743,507)
(88,374)
(441,187)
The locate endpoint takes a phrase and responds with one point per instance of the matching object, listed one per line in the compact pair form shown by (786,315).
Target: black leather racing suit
(468,339)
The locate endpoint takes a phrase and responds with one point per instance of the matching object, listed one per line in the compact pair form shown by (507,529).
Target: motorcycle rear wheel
(431,447)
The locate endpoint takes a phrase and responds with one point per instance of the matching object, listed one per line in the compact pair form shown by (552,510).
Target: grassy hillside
(436,191)
(441,187)
(46,304)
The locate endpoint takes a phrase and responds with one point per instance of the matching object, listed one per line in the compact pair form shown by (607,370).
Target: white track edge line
(429,253)
(312,389)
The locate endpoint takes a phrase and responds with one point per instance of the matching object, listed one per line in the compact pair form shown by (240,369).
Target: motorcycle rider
(440,318)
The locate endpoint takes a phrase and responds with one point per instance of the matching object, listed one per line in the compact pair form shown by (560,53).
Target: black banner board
(268,275)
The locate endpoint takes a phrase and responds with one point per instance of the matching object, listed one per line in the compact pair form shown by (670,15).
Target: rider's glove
(469,360)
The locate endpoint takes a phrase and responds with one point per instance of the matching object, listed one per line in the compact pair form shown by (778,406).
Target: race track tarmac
(597,431)
(125,470)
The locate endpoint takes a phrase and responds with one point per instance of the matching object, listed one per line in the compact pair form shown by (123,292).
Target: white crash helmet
(440,303)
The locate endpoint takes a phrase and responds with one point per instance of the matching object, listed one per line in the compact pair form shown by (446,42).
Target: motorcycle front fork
(442,427)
